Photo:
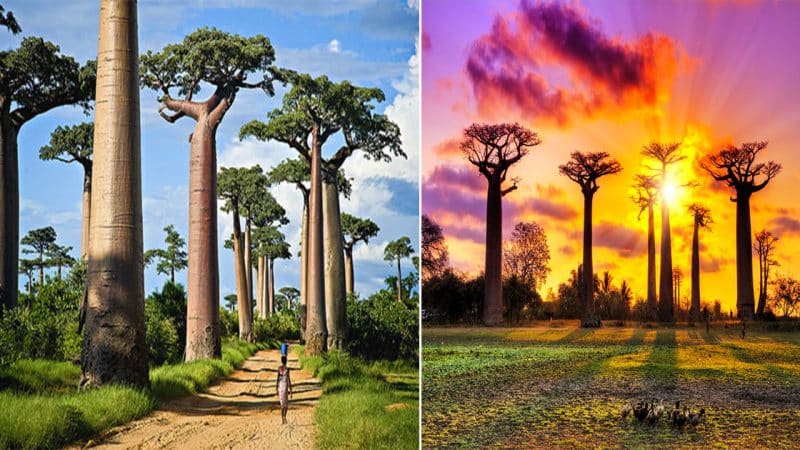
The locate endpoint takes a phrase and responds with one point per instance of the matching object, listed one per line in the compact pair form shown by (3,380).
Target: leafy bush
(170,304)
(281,326)
(380,327)
(228,323)
(161,337)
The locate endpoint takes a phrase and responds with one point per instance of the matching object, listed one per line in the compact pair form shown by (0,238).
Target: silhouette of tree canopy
(493,149)
(435,258)
(764,246)
(527,255)
(586,168)
(646,191)
(737,167)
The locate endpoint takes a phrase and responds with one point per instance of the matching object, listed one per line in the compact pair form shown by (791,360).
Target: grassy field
(40,406)
(561,386)
(366,405)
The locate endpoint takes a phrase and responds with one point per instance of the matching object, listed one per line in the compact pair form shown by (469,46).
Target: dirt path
(240,412)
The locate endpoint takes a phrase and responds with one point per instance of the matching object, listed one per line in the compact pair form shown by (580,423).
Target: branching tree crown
(70,144)
(493,149)
(527,255)
(586,168)
(646,191)
(296,171)
(356,229)
(665,153)
(398,249)
(737,167)
(701,215)
(171,259)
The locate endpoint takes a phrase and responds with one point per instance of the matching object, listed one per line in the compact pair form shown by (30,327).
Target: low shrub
(281,326)
(380,327)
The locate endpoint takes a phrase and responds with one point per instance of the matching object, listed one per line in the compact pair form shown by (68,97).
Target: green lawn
(40,406)
(366,405)
(562,386)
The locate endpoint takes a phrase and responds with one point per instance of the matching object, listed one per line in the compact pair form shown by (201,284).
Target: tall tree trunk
(271,288)
(172,275)
(86,209)
(335,297)
(493,286)
(267,305)
(666,312)
(399,282)
(763,279)
(260,288)
(695,311)
(9,208)
(264,284)
(245,307)
(304,249)
(588,319)
(745,303)
(41,268)
(652,302)
(316,331)
(349,272)
(202,319)
(248,261)
(114,348)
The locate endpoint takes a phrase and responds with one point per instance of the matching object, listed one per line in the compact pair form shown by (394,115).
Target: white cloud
(333,46)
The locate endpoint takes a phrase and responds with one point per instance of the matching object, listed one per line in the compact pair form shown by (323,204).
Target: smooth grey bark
(335,293)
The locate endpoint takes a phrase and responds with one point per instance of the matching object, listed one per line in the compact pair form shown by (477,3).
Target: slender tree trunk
(588,272)
(652,301)
(745,303)
(272,308)
(666,302)
(202,321)
(695,312)
(264,284)
(248,261)
(9,208)
(399,282)
(267,304)
(335,297)
(763,279)
(58,272)
(172,275)
(493,286)
(316,331)
(349,272)
(243,303)
(304,249)
(86,209)
(260,288)
(41,268)
(114,348)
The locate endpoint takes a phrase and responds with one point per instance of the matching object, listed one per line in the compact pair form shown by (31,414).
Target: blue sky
(369,42)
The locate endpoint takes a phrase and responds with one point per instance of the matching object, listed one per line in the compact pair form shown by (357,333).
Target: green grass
(562,386)
(352,411)
(40,406)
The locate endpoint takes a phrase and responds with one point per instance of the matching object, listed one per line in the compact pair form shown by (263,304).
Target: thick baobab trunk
(259,293)
(665,298)
(694,314)
(271,287)
(652,302)
(349,272)
(304,268)
(745,303)
(587,290)
(114,348)
(493,285)
(335,297)
(399,282)
(248,262)
(316,331)
(86,208)
(9,210)
(202,321)
(243,303)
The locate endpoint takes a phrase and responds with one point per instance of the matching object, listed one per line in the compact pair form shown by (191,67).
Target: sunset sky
(702,73)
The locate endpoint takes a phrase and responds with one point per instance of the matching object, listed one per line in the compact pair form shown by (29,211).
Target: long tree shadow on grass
(661,369)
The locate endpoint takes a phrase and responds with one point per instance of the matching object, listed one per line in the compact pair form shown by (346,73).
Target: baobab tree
(114,347)
(34,79)
(264,212)
(666,155)
(585,169)
(435,257)
(314,110)
(737,167)
(764,246)
(702,219)
(355,229)
(170,259)
(395,251)
(493,149)
(224,61)
(39,240)
(74,144)
(645,197)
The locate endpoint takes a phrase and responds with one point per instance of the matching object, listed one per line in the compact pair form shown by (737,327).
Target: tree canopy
(296,171)
(356,229)
(398,249)
(70,144)
(434,250)
(527,255)
(586,168)
(171,259)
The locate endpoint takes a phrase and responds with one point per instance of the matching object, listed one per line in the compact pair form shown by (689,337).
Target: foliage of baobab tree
(74,144)
(34,78)
(527,255)
(702,219)
(493,149)
(585,169)
(226,62)
(435,258)
(738,169)
(395,251)
(645,197)
(8,21)
(171,259)
(39,240)
(287,297)
(764,246)
(314,110)
(354,230)
(114,346)
(667,155)
(58,256)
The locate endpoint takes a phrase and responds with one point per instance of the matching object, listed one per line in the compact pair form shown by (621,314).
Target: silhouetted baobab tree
(702,219)
(493,149)
(765,244)
(585,169)
(114,347)
(666,154)
(355,229)
(737,167)
(34,79)
(74,144)
(645,197)
(224,61)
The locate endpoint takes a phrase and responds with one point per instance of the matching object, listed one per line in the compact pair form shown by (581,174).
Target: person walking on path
(283,388)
